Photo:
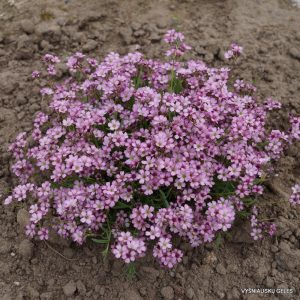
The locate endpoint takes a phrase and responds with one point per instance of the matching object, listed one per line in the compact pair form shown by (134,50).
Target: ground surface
(269,31)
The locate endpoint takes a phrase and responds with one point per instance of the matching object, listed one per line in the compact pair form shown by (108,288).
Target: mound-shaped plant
(138,151)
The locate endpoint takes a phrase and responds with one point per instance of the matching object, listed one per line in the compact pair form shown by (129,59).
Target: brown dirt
(269,31)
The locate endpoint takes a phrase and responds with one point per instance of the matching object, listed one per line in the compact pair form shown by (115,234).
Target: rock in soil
(27,26)
(68,252)
(8,82)
(143,291)
(126,34)
(240,234)
(132,295)
(221,269)
(50,32)
(269,282)
(90,45)
(23,218)
(234,294)
(47,296)
(189,292)
(149,273)
(80,287)
(33,293)
(287,258)
(4,246)
(167,292)
(70,288)
(295,53)
(26,249)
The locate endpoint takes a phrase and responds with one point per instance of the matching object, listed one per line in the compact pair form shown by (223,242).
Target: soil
(269,32)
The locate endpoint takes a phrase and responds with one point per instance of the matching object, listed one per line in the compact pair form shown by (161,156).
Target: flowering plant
(138,151)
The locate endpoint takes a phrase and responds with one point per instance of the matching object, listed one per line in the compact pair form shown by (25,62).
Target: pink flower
(147,211)
(35,74)
(46,91)
(114,125)
(30,230)
(153,233)
(272,229)
(234,51)
(8,200)
(43,234)
(271,104)
(295,197)
(295,132)
(256,234)
(173,36)
(51,59)
(164,243)
(161,139)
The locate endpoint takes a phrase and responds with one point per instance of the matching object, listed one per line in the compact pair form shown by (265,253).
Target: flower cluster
(128,248)
(50,60)
(234,51)
(258,227)
(295,132)
(295,197)
(141,151)
(176,41)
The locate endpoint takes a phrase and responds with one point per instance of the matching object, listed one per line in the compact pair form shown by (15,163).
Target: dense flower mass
(139,151)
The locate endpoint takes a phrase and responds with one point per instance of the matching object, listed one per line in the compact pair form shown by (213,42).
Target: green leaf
(243,214)
(218,240)
(129,104)
(171,115)
(90,180)
(131,271)
(164,198)
(66,182)
(223,188)
(259,180)
(177,85)
(137,82)
(105,252)
(169,192)
(249,201)
(121,205)
(100,241)
(55,185)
